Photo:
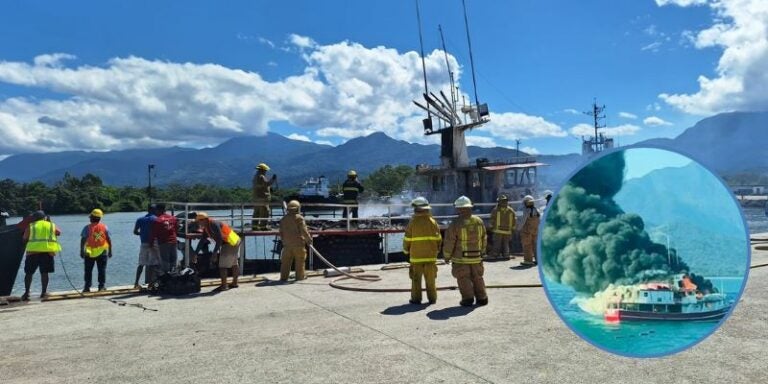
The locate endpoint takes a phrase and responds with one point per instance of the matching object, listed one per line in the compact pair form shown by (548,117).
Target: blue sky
(111,75)
(641,161)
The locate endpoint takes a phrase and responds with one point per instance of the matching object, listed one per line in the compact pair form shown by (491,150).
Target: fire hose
(348,276)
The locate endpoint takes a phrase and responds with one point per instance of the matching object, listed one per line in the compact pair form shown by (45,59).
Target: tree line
(73,195)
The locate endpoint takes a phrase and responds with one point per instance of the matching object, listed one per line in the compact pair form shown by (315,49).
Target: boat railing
(390,219)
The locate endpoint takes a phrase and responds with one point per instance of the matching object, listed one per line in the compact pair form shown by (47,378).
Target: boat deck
(309,332)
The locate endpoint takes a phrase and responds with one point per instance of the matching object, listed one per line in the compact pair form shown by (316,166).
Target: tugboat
(314,191)
(675,300)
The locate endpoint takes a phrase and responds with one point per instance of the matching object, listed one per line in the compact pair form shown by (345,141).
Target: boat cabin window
(645,294)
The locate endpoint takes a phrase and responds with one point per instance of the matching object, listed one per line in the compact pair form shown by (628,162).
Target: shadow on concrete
(522,267)
(447,313)
(272,283)
(403,309)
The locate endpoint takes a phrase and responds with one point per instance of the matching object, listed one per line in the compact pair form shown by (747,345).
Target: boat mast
(471,59)
(450,72)
(423,64)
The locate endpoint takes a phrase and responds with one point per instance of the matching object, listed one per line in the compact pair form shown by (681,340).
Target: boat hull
(717,314)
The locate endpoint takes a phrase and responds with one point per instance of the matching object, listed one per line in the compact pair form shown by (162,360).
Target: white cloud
(571,111)
(266,41)
(301,41)
(511,125)
(482,141)
(530,150)
(655,121)
(653,107)
(653,47)
(628,115)
(52,60)
(271,63)
(619,130)
(324,142)
(739,28)
(135,102)
(681,3)
(296,136)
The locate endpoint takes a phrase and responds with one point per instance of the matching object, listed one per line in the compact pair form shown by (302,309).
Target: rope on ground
(113,301)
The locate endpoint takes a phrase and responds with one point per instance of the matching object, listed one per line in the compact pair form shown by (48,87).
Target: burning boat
(678,299)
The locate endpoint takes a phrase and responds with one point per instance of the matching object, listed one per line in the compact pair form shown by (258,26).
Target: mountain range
(729,142)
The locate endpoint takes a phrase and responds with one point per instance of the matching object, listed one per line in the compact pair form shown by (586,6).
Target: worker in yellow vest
(422,244)
(502,224)
(41,246)
(95,248)
(465,245)
(295,237)
(227,247)
(529,231)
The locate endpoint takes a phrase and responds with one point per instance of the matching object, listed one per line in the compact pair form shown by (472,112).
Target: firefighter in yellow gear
(529,231)
(464,246)
(422,244)
(502,224)
(261,196)
(295,237)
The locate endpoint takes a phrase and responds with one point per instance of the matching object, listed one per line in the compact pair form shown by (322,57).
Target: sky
(106,75)
(642,161)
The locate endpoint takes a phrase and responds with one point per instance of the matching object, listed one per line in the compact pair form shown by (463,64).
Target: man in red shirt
(164,232)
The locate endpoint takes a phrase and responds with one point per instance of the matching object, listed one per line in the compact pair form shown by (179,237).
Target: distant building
(750,190)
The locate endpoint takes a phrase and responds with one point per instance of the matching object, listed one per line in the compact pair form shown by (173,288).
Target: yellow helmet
(97,213)
(294,205)
(463,202)
(201,216)
(421,203)
(351,173)
(262,167)
(502,197)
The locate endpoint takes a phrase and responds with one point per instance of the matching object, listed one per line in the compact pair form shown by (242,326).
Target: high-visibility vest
(503,220)
(227,234)
(42,237)
(96,242)
(471,240)
(422,239)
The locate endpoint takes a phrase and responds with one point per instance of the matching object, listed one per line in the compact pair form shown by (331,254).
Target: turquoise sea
(638,339)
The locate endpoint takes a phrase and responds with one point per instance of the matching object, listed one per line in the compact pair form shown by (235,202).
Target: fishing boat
(677,299)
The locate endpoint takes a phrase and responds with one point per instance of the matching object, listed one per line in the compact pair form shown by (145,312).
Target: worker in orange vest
(95,248)
(421,244)
(226,248)
(464,246)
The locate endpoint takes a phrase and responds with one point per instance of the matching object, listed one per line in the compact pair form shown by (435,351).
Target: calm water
(646,339)
(121,268)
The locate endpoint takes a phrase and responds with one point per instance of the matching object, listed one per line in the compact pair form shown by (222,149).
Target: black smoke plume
(589,242)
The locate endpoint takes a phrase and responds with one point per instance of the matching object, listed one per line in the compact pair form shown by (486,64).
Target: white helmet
(547,193)
(528,199)
(463,202)
(421,203)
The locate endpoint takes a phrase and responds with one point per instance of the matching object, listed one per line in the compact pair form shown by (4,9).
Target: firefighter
(547,196)
(465,244)
(295,237)
(529,230)
(502,223)
(261,197)
(351,189)
(422,243)
(227,246)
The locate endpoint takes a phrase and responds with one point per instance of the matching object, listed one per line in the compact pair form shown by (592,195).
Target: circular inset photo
(643,252)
